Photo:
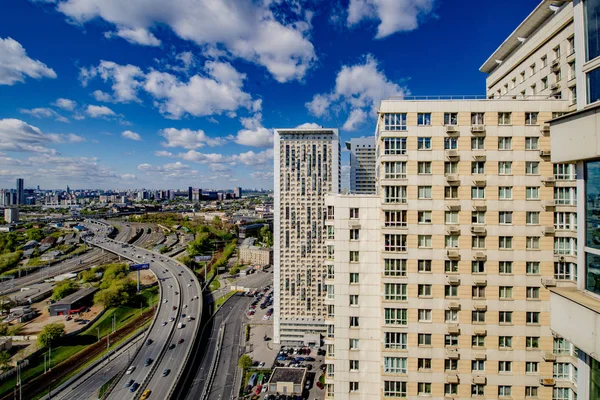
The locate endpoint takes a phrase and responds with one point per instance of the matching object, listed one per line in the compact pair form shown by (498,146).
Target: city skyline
(152,108)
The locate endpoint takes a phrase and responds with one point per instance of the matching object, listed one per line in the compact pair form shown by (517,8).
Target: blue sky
(169,94)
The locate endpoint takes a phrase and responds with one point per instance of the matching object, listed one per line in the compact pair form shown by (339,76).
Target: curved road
(180,289)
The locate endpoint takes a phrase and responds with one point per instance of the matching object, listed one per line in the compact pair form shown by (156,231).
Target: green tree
(245,361)
(63,289)
(4,358)
(50,334)
(119,293)
(234,270)
(266,236)
(88,276)
(35,234)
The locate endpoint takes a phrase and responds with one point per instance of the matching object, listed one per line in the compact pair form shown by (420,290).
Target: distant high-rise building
(68,189)
(362,165)
(237,192)
(190,193)
(20,191)
(307,167)
(11,215)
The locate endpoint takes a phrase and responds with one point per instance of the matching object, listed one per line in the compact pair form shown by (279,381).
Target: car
(174,308)
(171,346)
(185,306)
(134,387)
(180,341)
(164,323)
(176,293)
(192,280)
(320,385)
(170,286)
(172,319)
(130,370)
(266,317)
(149,342)
(146,394)
(166,372)
(128,384)
(148,361)
(311,359)
(189,285)
(182,315)
(196,296)
(308,385)
(262,364)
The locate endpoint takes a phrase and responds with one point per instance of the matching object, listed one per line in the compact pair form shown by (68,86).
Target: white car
(130,370)
(164,323)
(166,301)
(185,306)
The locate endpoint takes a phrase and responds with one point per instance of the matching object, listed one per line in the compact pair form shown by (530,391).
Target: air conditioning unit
(453,329)
(478,229)
(548,204)
(548,282)
(453,280)
(479,380)
(451,129)
(479,281)
(452,178)
(478,128)
(452,379)
(549,230)
(454,207)
(549,180)
(480,306)
(479,158)
(452,354)
(544,153)
(451,154)
(454,305)
(479,182)
(545,128)
(480,255)
(548,356)
(453,254)
(547,381)
(480,207)
(480,331)
(453,230)
(555,63)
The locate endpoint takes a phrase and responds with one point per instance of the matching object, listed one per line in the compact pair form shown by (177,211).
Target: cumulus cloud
(43,113)
(15,65)
(248,158)
(254,134)
(65,104)
(393,15)
(170,170)
(360,88)
(262,175)
(131,135)
(243,28)
(125,80)
(17,135)
(99,95)
(309,125)
(189,139)
(99,111)
(163,153)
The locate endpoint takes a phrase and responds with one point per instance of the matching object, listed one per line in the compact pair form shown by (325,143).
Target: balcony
(452,130)
(478,130)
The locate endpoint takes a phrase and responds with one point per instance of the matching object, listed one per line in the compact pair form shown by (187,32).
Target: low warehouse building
(74,303)
(287,380)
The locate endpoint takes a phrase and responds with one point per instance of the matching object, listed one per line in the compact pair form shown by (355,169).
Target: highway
(180,290)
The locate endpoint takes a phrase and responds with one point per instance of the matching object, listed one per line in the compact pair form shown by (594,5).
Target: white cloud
(262,175)
(254,134)
(65,104)
(244,28)
(170,170)
(125,79)
(252,158)
(309,125)
(15,65)
(163,153)
(188,139)
(17,135)
(203,158)
(66,138)
(361,88)
(393,15)
(99,111)
(131,135)
(99,95)
(43,113)
(135,36)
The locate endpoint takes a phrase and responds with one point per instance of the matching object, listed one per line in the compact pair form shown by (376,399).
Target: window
(354,322)
(353,299)
(522,77)
(532,168)
(394,122)
(424,265)
(424,339)
(450,167)
(532,367)
(451,217)
(505,193)
(478,317)
(532,69)
(424,315)
(354,277)
(477,365)
(478,292)
(424,388)
(477,143)
(505,168)
(532,193)
(505,242)
(395,218)
(424,241)
(532,268)
(532,317)
(394,194)
(532,217)
(424,143)
(424,290)
(478,217)
(565,246)
(451,340)
(544,61)
(561,393)
(451,143)
(477,192)
(504,143)
(451,316)
(544,82)
(395,340)
(424,119)
(450,388)
(394,389)
(394,145)
(505,267)
(424,192)
(353,344)
(451,290)
(593,86)
(505,342)
(394,170)
(354,257)
(532,243)
(394,291)
(478,267)
(394,365)
(478,242)
(505,292)
(477,390)
(505,217)
(354,213)
(565,270)
(354,234)
(477,119)
(450,192)
(531,391)
(533,292)
(567,196)
(533,91)
(478,167)
(478,341)
(561,370)
(424,363)
(450,365)
(450,118)
(451,241)
(504,118)
(353,386)
(354,365)
(531,143)
(394,267)
(503,390)
(451,265)
(394,242)
(424,167)
(556,51)
(424,217)
(513,83)
(505,317)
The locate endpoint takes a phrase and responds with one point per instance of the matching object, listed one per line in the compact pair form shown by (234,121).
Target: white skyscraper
(362,165)
(307,167)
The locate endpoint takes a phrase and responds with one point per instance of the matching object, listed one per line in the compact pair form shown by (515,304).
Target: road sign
(138,267)
(203,258)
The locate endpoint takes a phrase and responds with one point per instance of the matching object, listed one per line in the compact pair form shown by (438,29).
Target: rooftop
(284,374)
(78,295)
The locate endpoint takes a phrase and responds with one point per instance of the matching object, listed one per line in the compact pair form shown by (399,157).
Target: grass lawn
(222,300)
(215,285)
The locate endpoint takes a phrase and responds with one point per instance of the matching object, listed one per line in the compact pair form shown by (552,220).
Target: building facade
(20,191)
(362,165)
(307,167)
(11,215)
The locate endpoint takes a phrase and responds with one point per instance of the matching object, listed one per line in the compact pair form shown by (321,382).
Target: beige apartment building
(307,168)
